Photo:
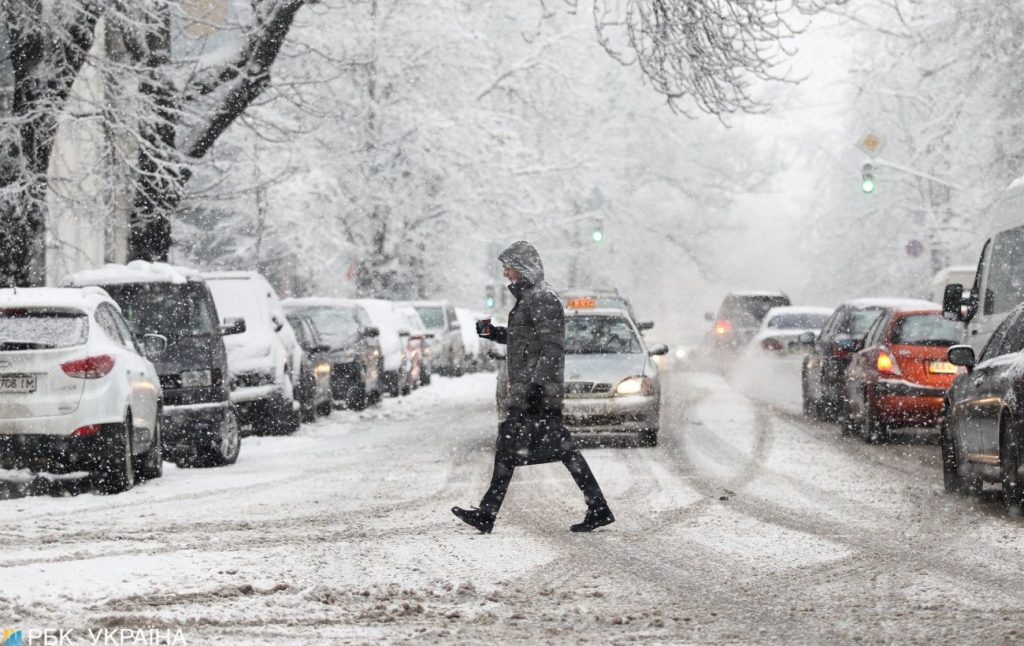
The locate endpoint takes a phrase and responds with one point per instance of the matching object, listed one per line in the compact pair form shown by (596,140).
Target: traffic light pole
(879,162)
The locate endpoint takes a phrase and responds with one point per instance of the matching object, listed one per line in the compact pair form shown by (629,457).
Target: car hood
(604,368)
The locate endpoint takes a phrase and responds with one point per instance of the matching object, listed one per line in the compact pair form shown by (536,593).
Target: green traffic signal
(597,235)
(867,179)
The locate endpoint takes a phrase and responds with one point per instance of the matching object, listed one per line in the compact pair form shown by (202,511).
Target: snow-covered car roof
(428,303)
(86,299)
(798,309)
(136,271)
(317,301)
(900,304)
(233,275)
(756,292)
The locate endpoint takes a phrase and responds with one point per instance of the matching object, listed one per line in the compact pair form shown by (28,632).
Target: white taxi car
(76,391)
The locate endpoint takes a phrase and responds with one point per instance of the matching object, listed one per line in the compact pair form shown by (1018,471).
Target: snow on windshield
(38,329)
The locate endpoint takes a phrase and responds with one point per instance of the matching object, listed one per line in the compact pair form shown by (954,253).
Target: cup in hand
(483,327)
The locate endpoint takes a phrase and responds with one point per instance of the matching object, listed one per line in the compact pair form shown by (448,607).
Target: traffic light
(867,178)
(489,298)
(597,234)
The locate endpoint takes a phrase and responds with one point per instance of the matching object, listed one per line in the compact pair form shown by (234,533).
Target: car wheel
(152,461)
(225,449)
(357,397)
(117,473)
(394,383)
(648,437)
(810,408)
(1009,459)
(325,409)
(425,378)
(952,480)
(871,429)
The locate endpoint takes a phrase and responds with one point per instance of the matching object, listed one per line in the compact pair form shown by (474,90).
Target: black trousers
(573,461)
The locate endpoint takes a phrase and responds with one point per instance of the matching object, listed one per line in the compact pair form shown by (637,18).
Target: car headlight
(635,386)
(196,378)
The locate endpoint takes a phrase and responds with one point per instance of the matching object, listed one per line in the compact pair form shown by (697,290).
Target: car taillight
(86,431)
(90,367)
(772,345)
(723,327)
(886,364)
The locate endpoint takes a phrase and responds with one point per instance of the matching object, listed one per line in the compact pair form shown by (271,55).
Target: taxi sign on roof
(582,303)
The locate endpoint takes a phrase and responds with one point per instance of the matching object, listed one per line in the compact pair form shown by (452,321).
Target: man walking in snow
(533,432)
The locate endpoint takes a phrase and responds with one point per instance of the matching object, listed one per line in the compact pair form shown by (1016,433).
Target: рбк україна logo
(11,637)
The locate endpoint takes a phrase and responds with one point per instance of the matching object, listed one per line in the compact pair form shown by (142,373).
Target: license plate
(17,383)
(942,368)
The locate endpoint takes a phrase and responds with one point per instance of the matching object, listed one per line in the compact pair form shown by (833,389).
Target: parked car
(738,319)
(782,328)
(417,344)
(446,346)
(823,373)
(265,359)
(998,284)
(473,359)
(355,355)
(76,391)
(981,431)
(901,375)
(611,384)
(314,387)
(394,350)
(587,299)
(198,425)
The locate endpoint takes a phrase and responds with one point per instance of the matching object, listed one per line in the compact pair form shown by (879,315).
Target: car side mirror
(709,316)
(807,338)
(428,335)
(278,323)
(232,326)
(404,333)
(153,345)
(961,355)
(657,349)
(321,347)
(645,325)
(371,331)
(952,302)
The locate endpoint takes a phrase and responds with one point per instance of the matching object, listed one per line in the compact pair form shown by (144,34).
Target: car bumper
(611,414)
(908,404)
(187,427)
(59,453)
(250,412)
(256,393)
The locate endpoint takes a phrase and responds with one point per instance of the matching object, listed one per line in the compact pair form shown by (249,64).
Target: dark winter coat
(535,336)
(535,363)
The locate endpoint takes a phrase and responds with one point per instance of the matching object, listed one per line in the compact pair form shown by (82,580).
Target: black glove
(534,398)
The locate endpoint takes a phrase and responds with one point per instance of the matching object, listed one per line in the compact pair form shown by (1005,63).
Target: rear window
(749,311)
(600,335)
(40,329)
(171,309)
(433,317)
(926,329)
(798,321)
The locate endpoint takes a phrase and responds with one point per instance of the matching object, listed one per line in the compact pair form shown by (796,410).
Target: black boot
(596,517)
(477,518)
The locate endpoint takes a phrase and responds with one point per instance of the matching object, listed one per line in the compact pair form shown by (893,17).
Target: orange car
(901,374)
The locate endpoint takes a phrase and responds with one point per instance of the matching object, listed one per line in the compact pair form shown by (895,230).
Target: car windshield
(433,317)
(926,329)
(337,326)
(798,321)
(600,335)
(862,320)
(170,309)
(749,311)
(301,333)
(41,329)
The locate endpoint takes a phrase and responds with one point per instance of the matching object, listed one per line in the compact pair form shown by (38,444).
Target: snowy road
(747,524)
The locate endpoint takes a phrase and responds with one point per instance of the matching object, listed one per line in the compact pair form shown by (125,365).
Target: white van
(265,361)
(998,284)
(962,275)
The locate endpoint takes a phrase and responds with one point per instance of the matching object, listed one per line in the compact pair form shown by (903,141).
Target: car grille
(172,380)
(585,388)
(251,379)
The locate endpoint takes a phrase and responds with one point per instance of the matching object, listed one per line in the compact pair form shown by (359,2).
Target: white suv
(76,392)
(265,361)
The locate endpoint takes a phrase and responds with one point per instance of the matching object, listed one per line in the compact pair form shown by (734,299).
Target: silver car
(611,383)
